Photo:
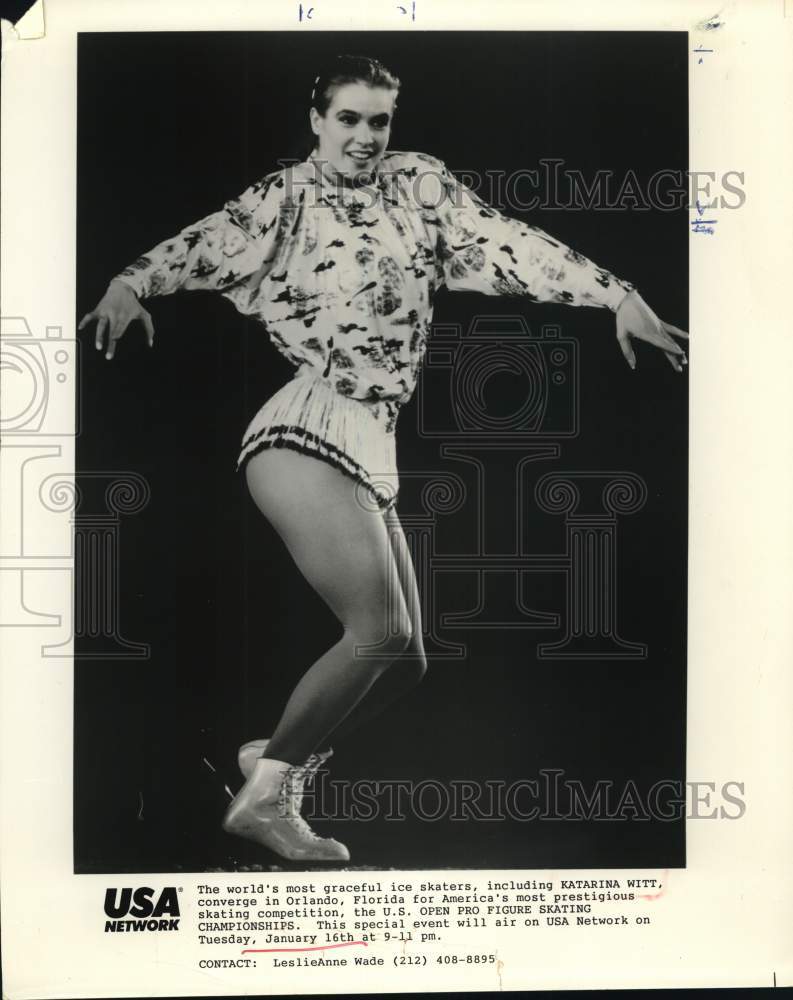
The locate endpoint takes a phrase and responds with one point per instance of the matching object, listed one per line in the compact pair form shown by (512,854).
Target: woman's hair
(334,73)
(349,69)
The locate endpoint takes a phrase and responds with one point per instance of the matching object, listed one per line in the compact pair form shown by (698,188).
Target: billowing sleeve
(484,251)
(219,251)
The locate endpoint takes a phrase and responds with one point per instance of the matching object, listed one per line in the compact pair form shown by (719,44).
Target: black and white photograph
(404,546)
(395,570)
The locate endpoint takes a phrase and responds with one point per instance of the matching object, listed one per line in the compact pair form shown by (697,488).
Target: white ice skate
(249,753)
(266,811)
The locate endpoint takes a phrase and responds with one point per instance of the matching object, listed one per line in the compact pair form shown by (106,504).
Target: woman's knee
(369,638)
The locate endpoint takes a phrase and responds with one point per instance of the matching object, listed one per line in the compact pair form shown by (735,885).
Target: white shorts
(309,415)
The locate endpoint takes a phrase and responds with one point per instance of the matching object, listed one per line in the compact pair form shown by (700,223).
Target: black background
(170,125)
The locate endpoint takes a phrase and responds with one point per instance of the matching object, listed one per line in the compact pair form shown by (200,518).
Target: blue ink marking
(308,12)
(701,225)
(412,10)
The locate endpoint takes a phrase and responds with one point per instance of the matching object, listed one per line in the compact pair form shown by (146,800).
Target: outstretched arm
(220,251)
(483,250)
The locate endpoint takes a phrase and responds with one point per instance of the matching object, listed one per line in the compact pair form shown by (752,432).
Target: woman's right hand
(118,308)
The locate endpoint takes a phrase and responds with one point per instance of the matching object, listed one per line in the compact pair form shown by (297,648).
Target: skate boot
(266,811)
(249,753)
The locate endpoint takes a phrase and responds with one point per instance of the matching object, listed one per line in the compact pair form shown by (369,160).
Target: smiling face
(354,133)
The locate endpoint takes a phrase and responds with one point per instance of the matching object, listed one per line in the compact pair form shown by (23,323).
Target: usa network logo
(142,909)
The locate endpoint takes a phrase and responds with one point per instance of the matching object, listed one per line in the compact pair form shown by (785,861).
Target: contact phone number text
(423,960)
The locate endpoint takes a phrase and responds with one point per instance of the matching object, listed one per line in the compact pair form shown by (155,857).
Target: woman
(340,257)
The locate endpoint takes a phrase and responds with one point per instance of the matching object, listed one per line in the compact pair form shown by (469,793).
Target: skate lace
(291,787)
(313,764)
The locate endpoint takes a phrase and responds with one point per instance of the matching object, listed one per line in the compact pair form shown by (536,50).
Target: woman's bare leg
(343,550)
(408,669)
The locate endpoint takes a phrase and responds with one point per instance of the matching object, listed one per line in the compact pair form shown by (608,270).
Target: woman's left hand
(636,319)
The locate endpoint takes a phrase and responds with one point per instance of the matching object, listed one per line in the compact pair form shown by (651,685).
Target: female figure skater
(340,257)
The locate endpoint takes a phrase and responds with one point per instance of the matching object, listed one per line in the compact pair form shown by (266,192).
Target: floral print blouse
(344,278)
